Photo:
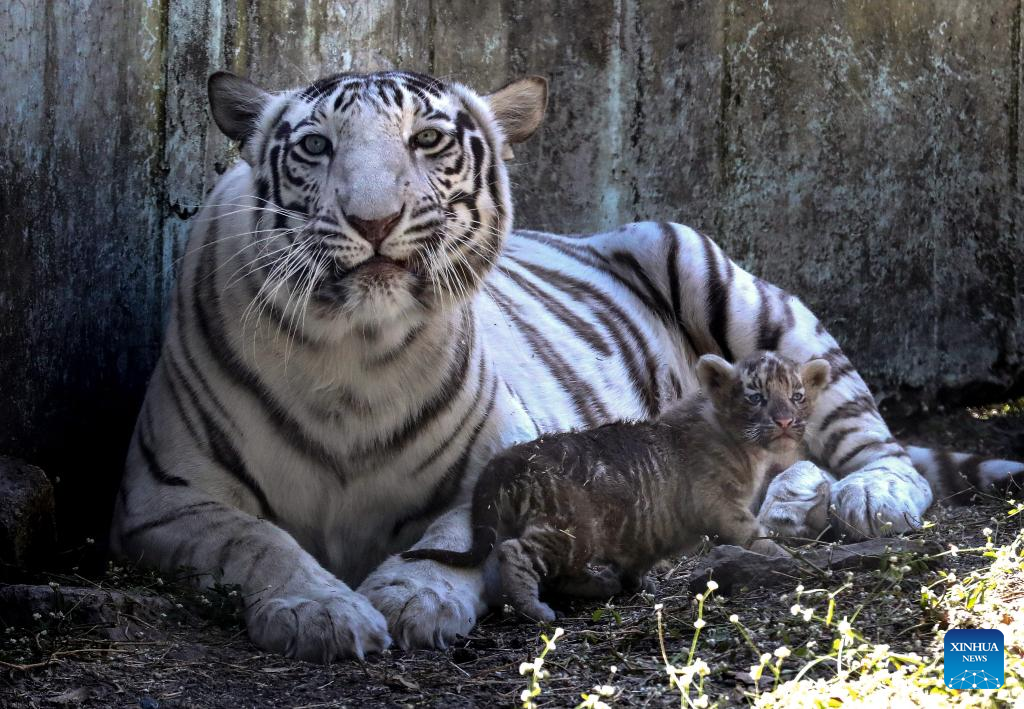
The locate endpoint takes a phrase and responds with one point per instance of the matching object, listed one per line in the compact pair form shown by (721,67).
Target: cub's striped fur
(356,331)
(629,494)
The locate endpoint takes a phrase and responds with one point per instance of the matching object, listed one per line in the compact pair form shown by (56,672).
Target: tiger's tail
(485,520)
(483,543)
(957,477)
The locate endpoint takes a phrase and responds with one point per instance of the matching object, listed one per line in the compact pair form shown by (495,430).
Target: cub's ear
(815,374)
(714,373)
(236,104)
(519,107)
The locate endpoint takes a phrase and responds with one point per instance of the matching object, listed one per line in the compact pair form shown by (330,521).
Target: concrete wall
(865,154)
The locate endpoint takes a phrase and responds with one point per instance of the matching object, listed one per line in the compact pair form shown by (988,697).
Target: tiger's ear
(815,374)
(714,374)
(236,104)
(519,108)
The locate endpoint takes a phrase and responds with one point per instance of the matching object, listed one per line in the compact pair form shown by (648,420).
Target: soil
(197,655)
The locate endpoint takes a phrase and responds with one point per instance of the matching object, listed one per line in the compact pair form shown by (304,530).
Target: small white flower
(844,628)
(808,614)
(765,658)
(90,540)
(658,607)
(782,652)
(605,690)
(987,532)
(699,597)
(734,618)
(756,670)
(699,623)
(812,644)
(800,588)
(712,585)
(893,559)
(953,549)
(559,632)
(37,616)
(701,702)
(795,609)
(701,668)
(613,669)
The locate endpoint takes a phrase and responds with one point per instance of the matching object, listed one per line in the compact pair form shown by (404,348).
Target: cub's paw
(767,547)
(537,611)
(796,503)
(427,604)
(327,626)
(865,506)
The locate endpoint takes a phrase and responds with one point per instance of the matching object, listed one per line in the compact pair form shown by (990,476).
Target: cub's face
(766,397)
(377,195)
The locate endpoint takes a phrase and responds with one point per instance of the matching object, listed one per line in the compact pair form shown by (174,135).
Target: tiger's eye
(797,397)
(315,144)
(755,398)
(426,138)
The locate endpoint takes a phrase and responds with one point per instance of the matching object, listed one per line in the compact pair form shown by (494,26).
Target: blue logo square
(973,659)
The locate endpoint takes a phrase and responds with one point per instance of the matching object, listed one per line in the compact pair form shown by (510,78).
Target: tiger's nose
(374,230)
(783,423)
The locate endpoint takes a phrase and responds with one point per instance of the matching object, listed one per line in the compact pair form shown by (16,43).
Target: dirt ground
(199,656)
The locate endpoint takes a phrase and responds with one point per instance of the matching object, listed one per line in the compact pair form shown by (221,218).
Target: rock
(116,615)
(27,528)
(733,567)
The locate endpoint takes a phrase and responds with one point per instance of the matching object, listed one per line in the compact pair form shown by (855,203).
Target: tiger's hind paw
(797,502)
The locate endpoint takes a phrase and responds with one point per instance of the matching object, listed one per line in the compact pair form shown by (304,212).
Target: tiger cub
(629,494)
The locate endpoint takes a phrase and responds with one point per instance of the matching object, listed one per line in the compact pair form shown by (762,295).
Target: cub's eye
(315,144)
(797,398)
(426,139)
(756,399)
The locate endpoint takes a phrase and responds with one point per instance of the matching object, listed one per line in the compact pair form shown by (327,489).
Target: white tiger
(356,331)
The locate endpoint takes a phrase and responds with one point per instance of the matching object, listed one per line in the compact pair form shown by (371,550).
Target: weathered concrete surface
(80,212)
(865,154)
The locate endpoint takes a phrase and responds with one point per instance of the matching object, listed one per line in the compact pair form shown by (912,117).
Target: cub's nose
(784,423)
(374,230)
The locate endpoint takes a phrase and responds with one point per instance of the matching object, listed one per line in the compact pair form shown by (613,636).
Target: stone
(115,615)
(735,568)
(27,526)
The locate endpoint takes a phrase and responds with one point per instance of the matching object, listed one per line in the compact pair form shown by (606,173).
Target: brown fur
(630,494)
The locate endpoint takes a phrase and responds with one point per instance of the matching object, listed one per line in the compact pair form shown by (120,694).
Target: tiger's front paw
(321,626)
(797,501)
(870,505)
(427,604)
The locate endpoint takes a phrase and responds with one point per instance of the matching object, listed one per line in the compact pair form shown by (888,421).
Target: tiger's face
(377,196)
(765,396)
